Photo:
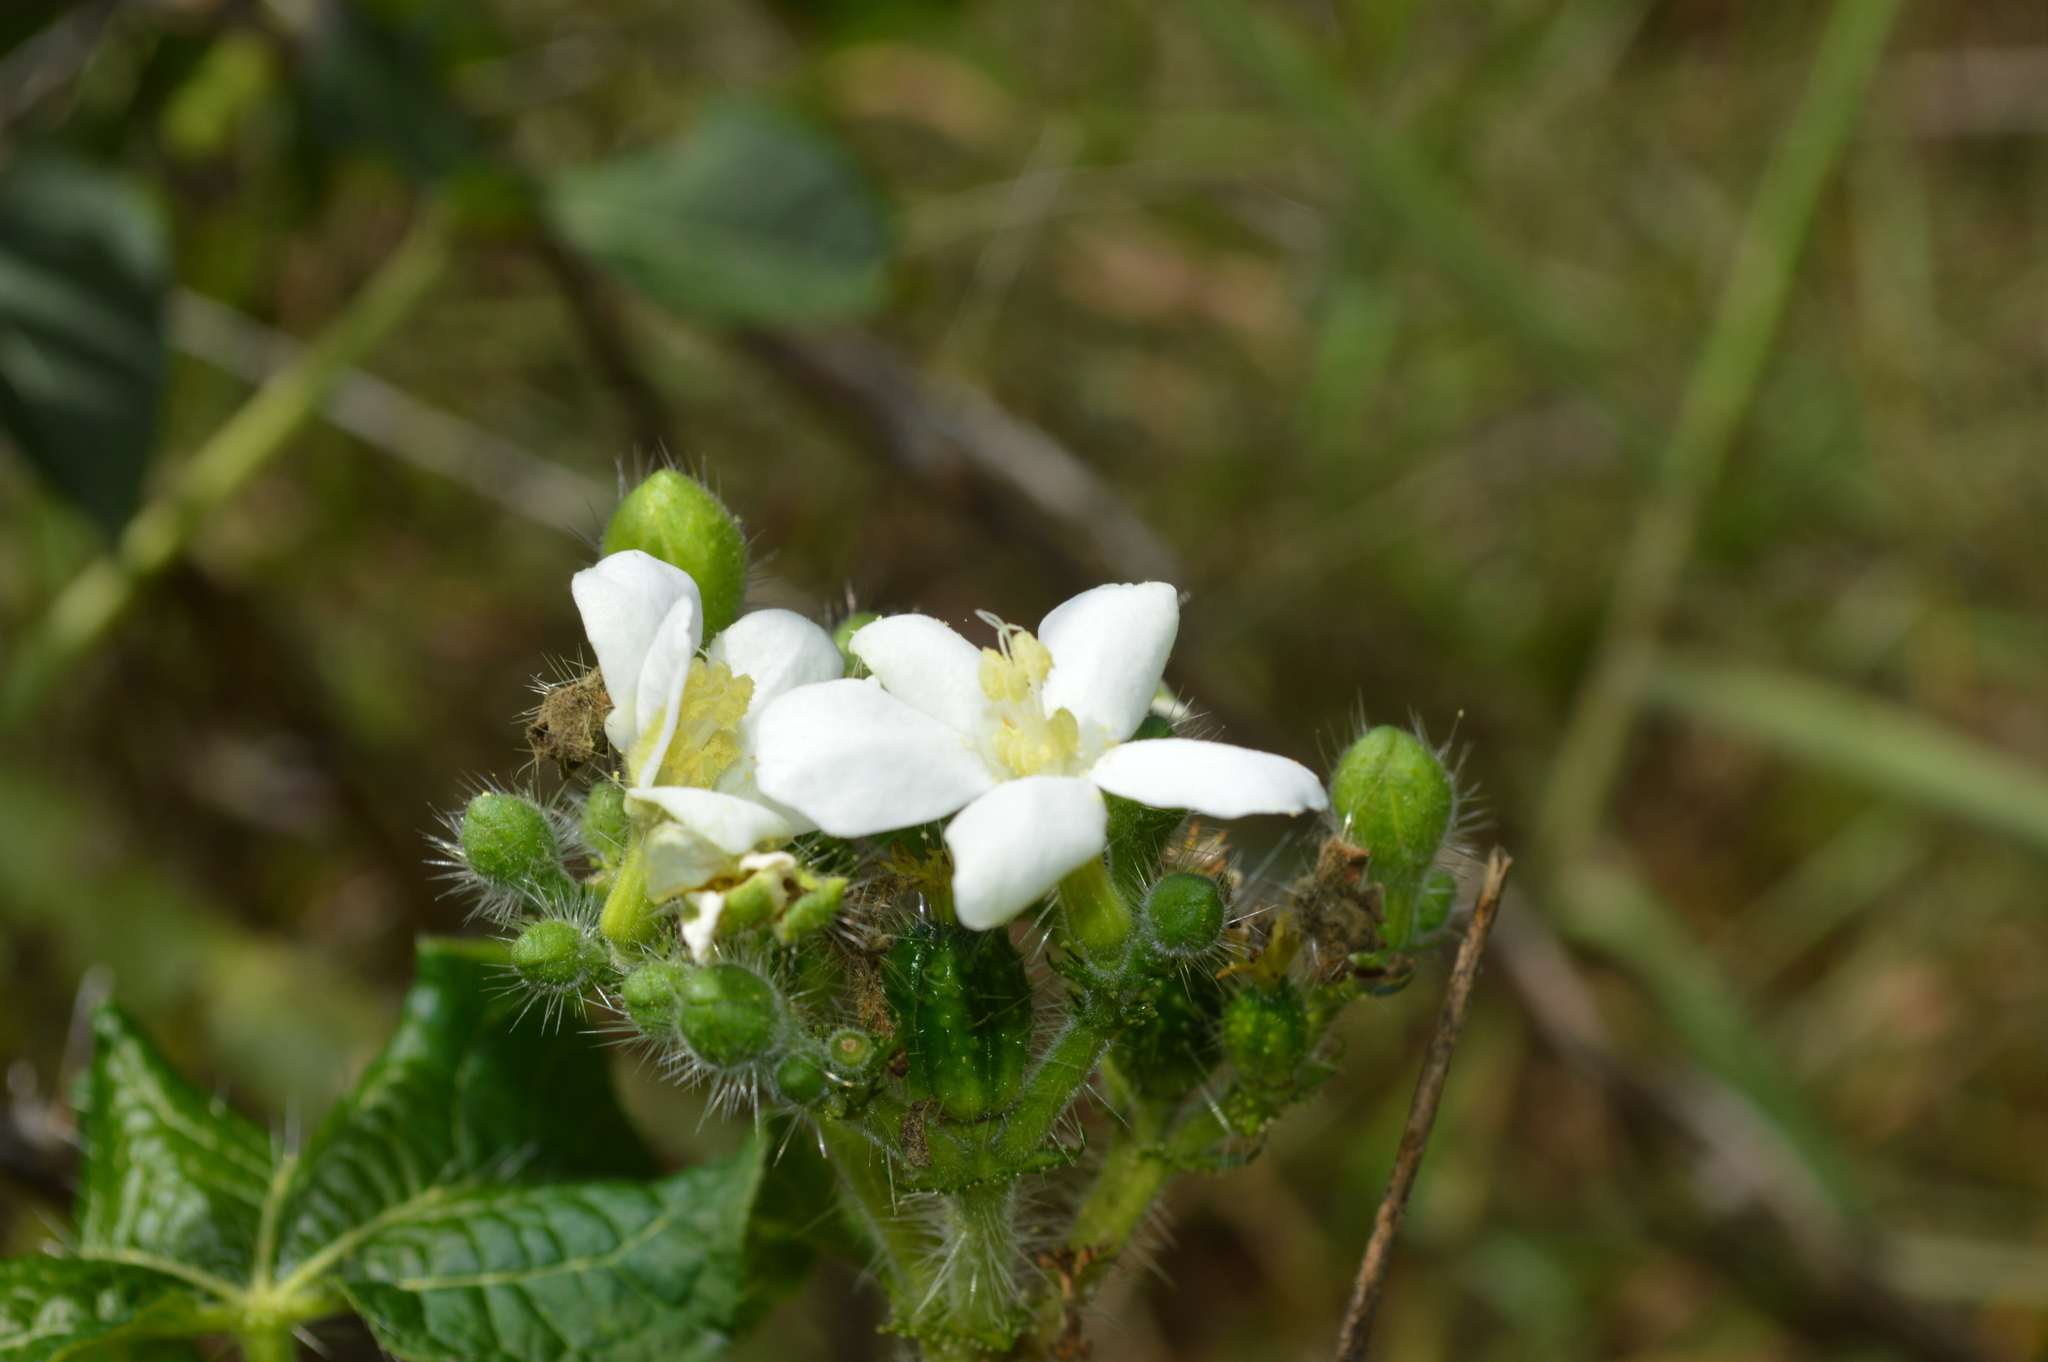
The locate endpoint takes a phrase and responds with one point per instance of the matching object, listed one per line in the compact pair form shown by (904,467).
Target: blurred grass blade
(1717,400)
(1608,909)
(1881,744)
(750,218)
(83,263)
(89,606)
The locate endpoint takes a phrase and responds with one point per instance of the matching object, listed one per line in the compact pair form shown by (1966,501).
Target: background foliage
(1366,322)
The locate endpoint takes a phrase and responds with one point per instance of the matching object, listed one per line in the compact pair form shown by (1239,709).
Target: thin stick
(1429,1091)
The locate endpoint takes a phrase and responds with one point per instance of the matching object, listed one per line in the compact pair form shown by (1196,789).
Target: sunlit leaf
(750,217)
(52,1308)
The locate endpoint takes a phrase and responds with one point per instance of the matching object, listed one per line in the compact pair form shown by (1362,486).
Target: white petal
(623,601)
(856,760)
(733,825)
(663,676)
(698,931)
(780,649)
(679,860)
(1208,777)
(1012,845)
(927,666)
(1109,647)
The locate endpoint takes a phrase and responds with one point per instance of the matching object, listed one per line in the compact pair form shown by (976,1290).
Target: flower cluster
(815,871)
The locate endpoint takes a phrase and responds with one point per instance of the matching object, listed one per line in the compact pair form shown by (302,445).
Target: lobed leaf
(52,1308)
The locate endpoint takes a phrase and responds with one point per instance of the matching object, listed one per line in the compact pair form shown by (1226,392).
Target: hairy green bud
(511,845)
(730,1015)
(1172,1048)
(1185,912)
(1397,801)
(678,520)
(1266,1033)
(849,1051)
(964,1002)
(605,826)
(802,1080)
(556,957)
(653,996)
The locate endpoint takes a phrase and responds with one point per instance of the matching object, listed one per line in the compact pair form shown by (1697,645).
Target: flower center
(1027,740)
(707,736)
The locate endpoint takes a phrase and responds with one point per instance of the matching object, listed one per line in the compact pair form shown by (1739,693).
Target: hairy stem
(628,918)
(1050,1089)
(1097,915)
(267,1343)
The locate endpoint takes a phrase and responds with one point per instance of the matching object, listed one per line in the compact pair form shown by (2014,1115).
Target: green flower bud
(1172,1049)
(1265,1033)
(1396,801)
(653,996)
(802,1080)
(555,957)
(678,520)
(605,826)
(1433,908)
(849,1051)
(511,845)
(1185,912)
(730,1015)
(964,1002)
(842,634)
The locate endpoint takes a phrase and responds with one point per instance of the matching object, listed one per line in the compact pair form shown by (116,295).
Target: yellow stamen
(707,736)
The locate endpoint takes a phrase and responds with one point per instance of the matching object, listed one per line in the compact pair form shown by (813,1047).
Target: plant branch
(1429,1091)
(88,608)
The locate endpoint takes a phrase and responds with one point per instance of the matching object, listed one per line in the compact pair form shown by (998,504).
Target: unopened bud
(1396,801)
(653,996)
(511,846)
(730,1015)
(1265,1033)
(556,957)
(678,520)
(605,826)
(802,1080)
(1172,1049)
(1185,912)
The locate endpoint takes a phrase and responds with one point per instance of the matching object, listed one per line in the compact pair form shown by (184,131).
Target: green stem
(1097,915)
(863,1173)
(1050,1089)
(268,1343)
(629,919)
(95,600)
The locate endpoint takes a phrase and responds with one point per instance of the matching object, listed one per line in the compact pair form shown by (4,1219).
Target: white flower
(1020,741)
(688,725)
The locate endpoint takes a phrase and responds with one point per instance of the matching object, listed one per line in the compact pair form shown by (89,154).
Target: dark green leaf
(172,1174)
(83,265)
(370,82)
(50,1308)
(472,1087)
(606,1270)
(750,218)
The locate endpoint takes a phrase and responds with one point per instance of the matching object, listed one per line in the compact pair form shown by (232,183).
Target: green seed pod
(964,1004)
(653,996)
(802,1080)
(730,1015)
(842,634)
(1396,801)
(678,520)
(555,957)
(849,1051)
(1265,1033)
(605,826)
(1185,912)
(1172,1049)
(511,846)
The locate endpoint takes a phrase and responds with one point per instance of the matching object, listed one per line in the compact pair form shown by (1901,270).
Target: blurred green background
(1651,399)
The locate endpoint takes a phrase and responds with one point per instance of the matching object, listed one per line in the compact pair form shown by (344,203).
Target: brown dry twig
(1429,1091)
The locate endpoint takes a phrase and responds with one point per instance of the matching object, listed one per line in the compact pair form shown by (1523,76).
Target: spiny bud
(1265,1033)
(556,957)
(1185,912)
(730,1015)
(802,1080)
(653,996)
(511,845)
(678,520)
(605,826)
(1397,802)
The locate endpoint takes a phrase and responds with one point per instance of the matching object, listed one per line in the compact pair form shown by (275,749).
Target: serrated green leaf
(51,1308)
(596,1272)
(750,218)
(473,1086)
(172,1174)
(83,267)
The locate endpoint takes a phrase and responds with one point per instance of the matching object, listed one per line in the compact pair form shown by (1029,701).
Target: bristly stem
(1429,1091)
